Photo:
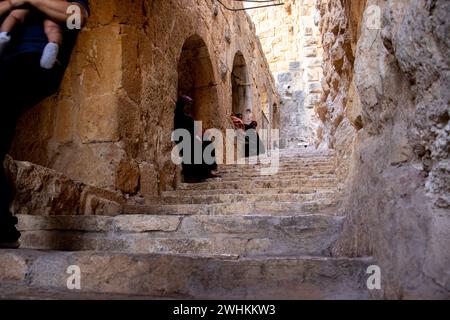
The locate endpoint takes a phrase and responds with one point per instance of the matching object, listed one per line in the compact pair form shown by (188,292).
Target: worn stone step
(304,156)
(282,160)
(302,190)
(281,167)
(279,177)
(282,157)
(237,235)
(299,171)
(294,157)
(306,171)
(261,183)
(18,291)
(181,198)
(238,208)
(188,276)
(143,243)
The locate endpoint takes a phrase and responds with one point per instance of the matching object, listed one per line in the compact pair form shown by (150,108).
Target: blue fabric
(30,37)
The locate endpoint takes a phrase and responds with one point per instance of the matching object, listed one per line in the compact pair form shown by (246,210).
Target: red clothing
(237,122)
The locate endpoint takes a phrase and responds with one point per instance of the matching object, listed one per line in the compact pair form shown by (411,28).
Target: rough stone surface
(107,183)
(290,39)
(114,112)
(145,224)
(42,191)
(166,276)
(391,84)
(14,267)
(127,179)
(238,221)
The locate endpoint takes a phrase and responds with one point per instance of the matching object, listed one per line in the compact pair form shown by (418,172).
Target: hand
(18,3)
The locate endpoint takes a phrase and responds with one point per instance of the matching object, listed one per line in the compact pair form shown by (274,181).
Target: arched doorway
(241,87)
(196,79)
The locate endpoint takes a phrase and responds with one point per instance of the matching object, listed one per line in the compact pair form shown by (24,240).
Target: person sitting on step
(253,143)
(193,172)
(238,123)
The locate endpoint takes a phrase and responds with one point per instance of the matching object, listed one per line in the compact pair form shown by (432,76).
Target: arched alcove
(241,86)
(196,79)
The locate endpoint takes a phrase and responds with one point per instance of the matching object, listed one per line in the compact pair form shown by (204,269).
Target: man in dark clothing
(193,172)
(253,143)
(23,83)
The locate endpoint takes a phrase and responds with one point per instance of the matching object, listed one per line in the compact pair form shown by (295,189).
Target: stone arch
(196,79)
(241,86)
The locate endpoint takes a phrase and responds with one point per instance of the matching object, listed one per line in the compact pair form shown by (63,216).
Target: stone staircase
(241,236)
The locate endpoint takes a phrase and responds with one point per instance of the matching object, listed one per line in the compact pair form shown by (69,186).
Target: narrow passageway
(196,79)
(353,176)
(222,231)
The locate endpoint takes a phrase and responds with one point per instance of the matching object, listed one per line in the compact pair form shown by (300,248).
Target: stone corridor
(359,93)
(241,236)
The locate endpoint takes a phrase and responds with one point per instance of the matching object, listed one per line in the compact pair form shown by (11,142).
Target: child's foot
(5,38)
(50,55)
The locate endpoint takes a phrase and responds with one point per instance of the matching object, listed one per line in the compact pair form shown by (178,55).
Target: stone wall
(291,41)
(385,110)
(339,109)
(110,124)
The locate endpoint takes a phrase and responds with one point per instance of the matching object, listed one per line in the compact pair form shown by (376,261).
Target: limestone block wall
(385,110)
(291,41)
(110,124)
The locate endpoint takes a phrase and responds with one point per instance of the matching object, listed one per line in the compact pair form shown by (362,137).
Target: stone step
(201,235)
(288,160)
(17,291)
(304,156)
(258,177)
(302,190)
(324,206)
(293,156)
(306,152)
(266,182)
(193,277)
(279,176)
(285,171)
(180,198)
(281,166)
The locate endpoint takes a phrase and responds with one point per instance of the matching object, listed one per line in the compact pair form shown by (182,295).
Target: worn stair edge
(328,207)
(189,276)
(239,235)
(180,198)
(21,292)
(304,190)
(240,246)
(263,182)
(251,224)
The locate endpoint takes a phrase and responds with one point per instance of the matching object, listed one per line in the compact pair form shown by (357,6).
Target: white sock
(49,55)
(5,38)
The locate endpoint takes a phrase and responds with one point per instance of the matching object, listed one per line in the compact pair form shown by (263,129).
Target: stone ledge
(46,192)
(199,277)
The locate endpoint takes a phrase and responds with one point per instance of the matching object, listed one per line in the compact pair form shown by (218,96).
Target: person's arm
(5,7)
(54,10)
